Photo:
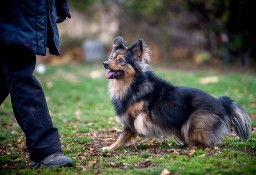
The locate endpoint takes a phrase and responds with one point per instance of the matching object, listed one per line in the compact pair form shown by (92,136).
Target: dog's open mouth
(112,74)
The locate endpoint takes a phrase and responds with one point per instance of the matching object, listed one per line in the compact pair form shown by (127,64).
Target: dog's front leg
(125,137)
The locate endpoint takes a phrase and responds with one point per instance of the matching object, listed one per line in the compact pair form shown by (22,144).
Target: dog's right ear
(137,50)
(119,42)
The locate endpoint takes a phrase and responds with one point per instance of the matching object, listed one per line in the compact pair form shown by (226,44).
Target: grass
(78,101)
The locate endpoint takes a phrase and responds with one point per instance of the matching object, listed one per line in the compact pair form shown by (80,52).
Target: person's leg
(3,87)
(29,104)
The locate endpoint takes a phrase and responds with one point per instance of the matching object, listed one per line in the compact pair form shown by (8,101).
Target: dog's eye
(120,60)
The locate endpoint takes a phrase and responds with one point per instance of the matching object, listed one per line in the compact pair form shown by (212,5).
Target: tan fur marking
(124,138)
(142,122)
(113,64)
(135,109)
(129,72)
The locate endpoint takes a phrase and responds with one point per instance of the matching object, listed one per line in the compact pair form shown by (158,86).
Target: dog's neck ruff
(118,88)
(123,95)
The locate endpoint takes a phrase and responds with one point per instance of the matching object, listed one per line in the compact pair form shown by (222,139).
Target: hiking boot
(53,161)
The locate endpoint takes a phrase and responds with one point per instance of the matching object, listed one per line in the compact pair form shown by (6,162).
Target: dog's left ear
(137,50)
(119,42)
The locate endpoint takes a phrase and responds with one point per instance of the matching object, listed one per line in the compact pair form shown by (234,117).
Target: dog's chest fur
(130,107)
(138,118)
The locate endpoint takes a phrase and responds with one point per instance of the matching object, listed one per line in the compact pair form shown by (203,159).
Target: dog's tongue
(109,74)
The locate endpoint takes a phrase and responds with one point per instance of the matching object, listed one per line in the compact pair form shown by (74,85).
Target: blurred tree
(242,28)
(234,18)
(82,5)
(228,23)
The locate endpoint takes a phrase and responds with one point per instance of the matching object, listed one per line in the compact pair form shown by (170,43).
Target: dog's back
(194,116)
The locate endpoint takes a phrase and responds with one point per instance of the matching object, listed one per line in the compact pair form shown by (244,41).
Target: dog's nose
(106,64)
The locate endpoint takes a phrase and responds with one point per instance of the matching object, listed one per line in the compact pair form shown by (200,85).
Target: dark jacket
(30,24)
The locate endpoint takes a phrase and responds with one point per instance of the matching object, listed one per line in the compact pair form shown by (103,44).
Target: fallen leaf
(209,80)
(84,169)
(14,132)
(202,155)
(175,151)
(147,163)
(91,163)
(21,144)
(165,172)
(78,112)
(192,152)
(215,148)
(49,85)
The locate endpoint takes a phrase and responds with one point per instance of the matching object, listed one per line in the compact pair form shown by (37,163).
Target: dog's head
(124,61)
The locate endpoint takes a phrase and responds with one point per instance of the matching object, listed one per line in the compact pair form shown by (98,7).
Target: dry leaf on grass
(91,163)
(209,80)
(192,152)
(165,172)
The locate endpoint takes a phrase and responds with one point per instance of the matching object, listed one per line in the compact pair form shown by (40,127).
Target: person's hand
(62,10)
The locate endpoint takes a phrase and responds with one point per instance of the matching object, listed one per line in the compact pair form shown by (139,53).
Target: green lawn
(79,103)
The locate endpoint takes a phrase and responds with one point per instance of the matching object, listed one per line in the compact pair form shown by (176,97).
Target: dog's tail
(239,119)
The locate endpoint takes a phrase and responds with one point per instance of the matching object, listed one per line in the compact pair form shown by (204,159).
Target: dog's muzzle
(106,64)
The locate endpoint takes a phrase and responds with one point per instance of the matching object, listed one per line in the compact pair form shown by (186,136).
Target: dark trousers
(28,102)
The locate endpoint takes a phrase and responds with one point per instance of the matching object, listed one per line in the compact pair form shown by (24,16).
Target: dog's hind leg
(204,129)
(124,138)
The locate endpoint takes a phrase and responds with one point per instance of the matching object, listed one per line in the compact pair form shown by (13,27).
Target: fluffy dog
(149,106)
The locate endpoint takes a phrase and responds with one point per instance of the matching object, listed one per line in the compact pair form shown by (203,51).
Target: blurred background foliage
(206,32)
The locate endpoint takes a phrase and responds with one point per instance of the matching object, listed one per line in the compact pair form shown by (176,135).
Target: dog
(150,106)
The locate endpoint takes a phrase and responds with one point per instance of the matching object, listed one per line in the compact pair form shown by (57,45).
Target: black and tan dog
(149,106)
